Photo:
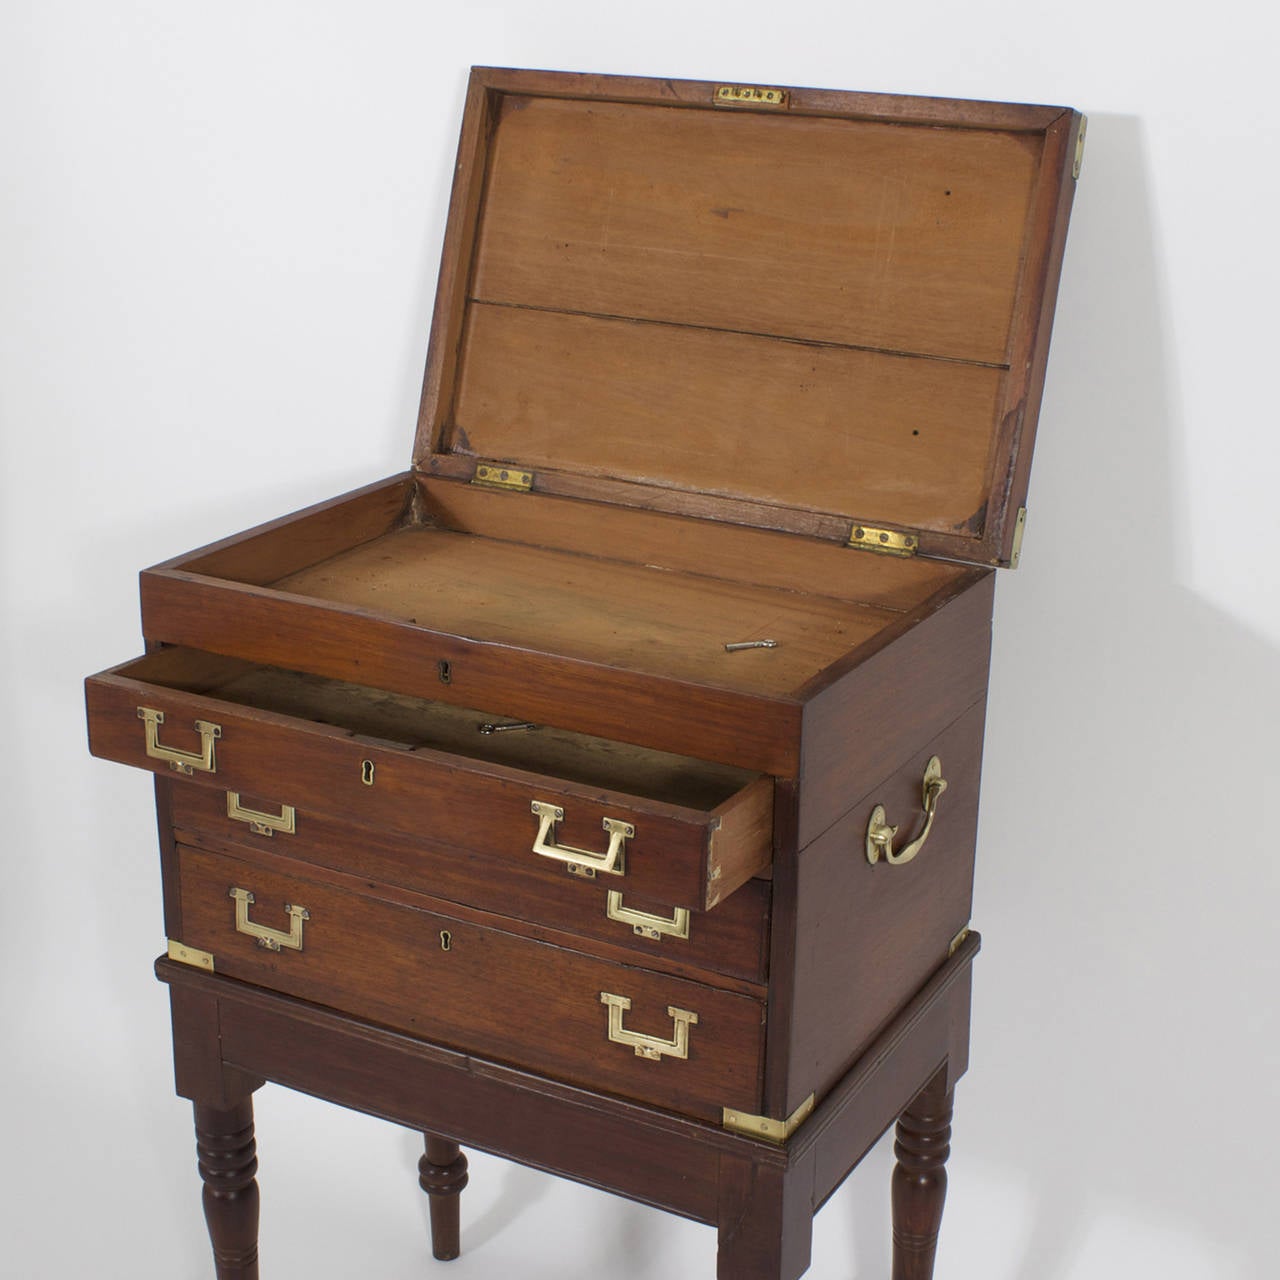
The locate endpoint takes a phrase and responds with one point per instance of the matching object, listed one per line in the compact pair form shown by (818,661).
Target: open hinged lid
(795,309)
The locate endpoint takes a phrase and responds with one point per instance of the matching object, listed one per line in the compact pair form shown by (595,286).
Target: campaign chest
(603,791)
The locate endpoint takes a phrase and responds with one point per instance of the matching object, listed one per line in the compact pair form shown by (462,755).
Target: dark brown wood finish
(867,937)
(895,694)
(920,1179)
(723,329)
(474,986)
(442,1174)
(679,855)
(348,643)
(228,1162)
(676,1164)
(731,940)
(1029,342)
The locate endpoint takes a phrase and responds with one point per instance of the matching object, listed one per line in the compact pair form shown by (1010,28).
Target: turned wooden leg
(442,1173)
(228,1161)
(920,1180)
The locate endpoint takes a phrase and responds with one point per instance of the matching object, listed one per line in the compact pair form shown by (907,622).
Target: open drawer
(676,831)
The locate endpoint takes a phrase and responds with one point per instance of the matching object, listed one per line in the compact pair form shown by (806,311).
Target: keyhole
(366,772)
(446,940)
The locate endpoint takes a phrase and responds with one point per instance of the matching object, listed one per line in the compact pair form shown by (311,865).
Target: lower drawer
(732,938)
(659,1039)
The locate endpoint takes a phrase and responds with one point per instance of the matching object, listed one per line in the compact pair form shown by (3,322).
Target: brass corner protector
(1079,156)
(193,956)
(957,942)
(886,542)
(493,475)
(1019,528)
(763,1127)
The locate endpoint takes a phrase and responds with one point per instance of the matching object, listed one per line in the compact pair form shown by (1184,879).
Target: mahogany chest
(603,791)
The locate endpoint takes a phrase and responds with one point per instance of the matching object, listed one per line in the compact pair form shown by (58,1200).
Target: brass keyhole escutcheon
(366,772)
(446,940)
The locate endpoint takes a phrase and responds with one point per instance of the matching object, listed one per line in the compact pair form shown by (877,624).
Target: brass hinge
(1019,528)
(763,1127)
(957,942)
(1079,160)
(190,955)
(493,475)
(887,542)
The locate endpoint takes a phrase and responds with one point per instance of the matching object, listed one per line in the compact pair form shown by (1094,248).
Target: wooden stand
(761,1196)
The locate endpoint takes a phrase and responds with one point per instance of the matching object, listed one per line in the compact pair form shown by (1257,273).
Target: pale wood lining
(645,620)
(744,333)
(879,437)
(888,236)
(732,552)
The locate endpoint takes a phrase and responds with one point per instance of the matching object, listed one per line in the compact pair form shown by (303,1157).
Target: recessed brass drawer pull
(263,824)
(187,762)
(645,925)
(880,835)
(651,1047)
(271,939)
(581,862)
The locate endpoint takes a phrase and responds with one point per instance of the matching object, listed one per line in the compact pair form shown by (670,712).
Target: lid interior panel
(782,315)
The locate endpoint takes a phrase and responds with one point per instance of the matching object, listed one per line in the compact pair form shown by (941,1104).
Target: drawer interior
(417,722)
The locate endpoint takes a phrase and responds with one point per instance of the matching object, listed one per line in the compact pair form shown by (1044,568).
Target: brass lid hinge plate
(957,942)
(885,542)
(763,1127)
(493,475)
(1078,159)
(749,95)
(1019,528)
(193,956)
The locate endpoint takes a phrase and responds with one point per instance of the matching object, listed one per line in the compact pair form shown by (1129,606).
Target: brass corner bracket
(763,1127)
(193,956)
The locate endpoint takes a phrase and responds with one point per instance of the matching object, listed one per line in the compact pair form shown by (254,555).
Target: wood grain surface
(491,992)
(460,803)
(891,237)
(505,881)
(876,437)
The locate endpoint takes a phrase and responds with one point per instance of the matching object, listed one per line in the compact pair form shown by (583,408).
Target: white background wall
(218,240)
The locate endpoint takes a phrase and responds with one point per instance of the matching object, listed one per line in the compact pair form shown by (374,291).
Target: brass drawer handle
(645,925)
(187,762)
(272,939)
(581,862)
(262,824)
(651,1047)
(880,835)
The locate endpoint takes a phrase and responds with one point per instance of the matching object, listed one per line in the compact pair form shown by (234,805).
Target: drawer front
(666,853)
(662,1040)
(732,939)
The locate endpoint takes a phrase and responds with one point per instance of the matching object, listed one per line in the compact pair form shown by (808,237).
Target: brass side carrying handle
(651,1047)
(263,824)
(880,835)
(186,762)
(271,939)
(581,862)
(646,926)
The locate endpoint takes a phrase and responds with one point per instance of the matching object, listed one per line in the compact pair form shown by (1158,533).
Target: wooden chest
(602,792)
